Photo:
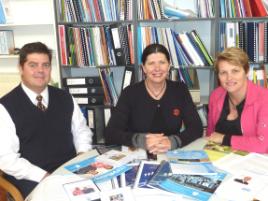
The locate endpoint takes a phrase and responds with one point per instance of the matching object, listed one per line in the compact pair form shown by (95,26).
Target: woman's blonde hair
(235,56)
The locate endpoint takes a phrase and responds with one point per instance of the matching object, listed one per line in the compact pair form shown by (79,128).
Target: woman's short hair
(233,55)
(154,48)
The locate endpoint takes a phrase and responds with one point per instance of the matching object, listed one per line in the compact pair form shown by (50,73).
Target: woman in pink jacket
(238,109)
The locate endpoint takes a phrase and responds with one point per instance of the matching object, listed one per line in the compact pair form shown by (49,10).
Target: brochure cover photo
(199,187)
(82,190)
(98,171)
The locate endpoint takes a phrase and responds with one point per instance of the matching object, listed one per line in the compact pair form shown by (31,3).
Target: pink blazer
(254,118)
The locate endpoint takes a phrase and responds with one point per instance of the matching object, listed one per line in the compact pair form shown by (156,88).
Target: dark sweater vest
(45,137)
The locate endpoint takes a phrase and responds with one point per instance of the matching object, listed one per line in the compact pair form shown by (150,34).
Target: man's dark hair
(36,47)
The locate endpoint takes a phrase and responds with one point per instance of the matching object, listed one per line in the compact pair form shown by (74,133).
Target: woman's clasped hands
(157,143)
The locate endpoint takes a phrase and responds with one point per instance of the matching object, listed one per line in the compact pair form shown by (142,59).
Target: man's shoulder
(13,92)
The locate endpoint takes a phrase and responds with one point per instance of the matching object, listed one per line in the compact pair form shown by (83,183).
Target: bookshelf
(191,17)
(93,38)
(244,24)
(206,20)
(29,21)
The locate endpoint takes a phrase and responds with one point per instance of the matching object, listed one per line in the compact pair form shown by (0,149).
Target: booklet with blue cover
(161,173)
(199,187)
(99,171)
(187,156)
(128,178)
(145,172)
(193,168)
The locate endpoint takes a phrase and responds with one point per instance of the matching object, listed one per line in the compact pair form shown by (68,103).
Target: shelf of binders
(97,118)
(244,24)
(96,44)
(91,94)
(95,48)
(249,34)
(95,39)
(91,33)
(188,39)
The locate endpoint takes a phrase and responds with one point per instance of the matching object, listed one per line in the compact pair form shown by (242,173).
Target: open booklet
(216,151)
(247,185)
(101,168)
(249,178)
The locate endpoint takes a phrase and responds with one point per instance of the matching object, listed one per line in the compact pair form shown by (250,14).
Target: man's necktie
(40,104)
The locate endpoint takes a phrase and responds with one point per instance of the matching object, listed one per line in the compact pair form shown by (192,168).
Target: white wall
(31,21)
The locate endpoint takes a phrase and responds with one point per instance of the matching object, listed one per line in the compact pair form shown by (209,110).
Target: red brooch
(176,112)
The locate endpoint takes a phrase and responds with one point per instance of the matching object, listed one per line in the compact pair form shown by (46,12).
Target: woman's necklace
(233,114)
(232,104)
(158,94)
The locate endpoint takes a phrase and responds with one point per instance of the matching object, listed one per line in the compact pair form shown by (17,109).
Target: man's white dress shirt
(10,160)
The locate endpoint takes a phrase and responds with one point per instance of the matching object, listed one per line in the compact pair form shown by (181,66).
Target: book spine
(123,35)
(265,42)
(251,40)
(62,43)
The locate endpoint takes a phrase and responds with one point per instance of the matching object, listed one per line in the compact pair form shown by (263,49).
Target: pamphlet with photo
(82,190)
(98,171)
